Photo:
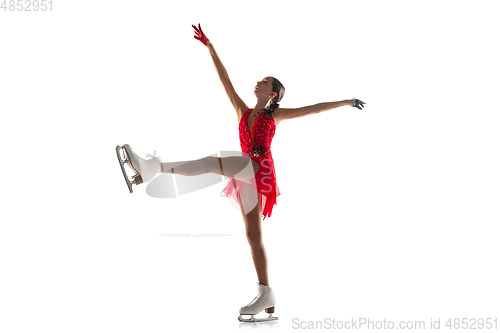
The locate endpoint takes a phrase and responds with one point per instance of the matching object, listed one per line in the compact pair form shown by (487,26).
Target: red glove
(200,35)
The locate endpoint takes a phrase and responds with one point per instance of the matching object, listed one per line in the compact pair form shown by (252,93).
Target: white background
(386,213)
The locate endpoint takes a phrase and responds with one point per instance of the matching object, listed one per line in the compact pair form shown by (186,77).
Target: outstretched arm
(236,101)
(283,113)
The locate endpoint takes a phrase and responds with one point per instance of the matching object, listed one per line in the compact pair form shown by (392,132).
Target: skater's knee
(256,244)
(254,238)
(220,166)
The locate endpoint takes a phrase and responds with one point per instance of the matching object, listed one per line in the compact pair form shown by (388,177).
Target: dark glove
(358,104)
(200,35)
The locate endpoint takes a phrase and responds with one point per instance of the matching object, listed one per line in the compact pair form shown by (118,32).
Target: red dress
(258,147)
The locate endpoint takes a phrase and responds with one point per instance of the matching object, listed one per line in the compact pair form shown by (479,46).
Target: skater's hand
(357,103)
(200,35)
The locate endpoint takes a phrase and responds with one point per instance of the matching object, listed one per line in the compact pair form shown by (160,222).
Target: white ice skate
(145,170)
(263,301)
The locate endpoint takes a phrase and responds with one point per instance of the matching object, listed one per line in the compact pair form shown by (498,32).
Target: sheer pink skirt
(264,183)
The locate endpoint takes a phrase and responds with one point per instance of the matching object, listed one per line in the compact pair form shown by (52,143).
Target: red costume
(257,146)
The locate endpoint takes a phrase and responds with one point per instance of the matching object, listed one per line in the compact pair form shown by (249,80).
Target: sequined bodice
(257,140)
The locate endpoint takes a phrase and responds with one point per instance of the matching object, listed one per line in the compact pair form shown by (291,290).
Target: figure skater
(252,178)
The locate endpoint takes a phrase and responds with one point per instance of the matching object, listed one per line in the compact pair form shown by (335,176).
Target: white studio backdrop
(386,212)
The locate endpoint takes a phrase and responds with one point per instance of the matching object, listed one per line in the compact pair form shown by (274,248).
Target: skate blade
(252,318)
(136,177)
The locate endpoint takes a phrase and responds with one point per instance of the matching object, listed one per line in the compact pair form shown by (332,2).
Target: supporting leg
(254,232)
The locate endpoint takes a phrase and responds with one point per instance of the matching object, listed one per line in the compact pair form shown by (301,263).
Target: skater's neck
(261,106)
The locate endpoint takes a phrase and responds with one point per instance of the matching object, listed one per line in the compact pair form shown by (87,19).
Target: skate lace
(149,155)
(257,299)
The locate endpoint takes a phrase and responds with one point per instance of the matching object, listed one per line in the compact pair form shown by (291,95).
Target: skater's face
(264,89)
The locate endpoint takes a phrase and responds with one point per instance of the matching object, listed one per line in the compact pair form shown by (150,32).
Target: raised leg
(239,167)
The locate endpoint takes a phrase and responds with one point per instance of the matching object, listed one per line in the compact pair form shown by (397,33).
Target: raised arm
(235,100)
(283,113)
